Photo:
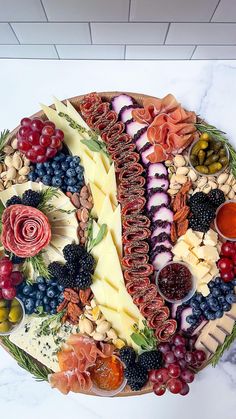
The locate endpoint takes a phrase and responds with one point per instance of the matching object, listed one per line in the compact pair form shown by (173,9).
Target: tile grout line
(194,49)
(41,2)
(129,10)
(139,45)
(118,59)
(125,52)
(56,51)
(148,22)
(168,28)
(90,33)
(14,33)
(215,10)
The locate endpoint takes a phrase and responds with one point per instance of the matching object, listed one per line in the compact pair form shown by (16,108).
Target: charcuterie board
(117,270)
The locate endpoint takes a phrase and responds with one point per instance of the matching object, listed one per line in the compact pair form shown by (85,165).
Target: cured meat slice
(147,294)
(121,140)
(138,286)
(166,330)
(136,182)
(139,272)
(134,207)
(157,170)
(134,170)
(113,132)
(133,127)
(139,220)
(118,102)
(149,307)
(131,261)
(136,247)
(159,316)
(99,113)
(89,104)
(125,113)
(135,233)
(126,161)
(74,381)
(117,149)
(111,118)
(125,194)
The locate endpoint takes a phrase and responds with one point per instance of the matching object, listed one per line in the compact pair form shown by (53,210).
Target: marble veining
(209,88)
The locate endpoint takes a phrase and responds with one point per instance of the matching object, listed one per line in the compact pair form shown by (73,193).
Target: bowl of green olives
(12,313)
(208,156)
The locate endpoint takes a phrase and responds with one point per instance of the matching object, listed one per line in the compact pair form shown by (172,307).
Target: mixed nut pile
(14,168)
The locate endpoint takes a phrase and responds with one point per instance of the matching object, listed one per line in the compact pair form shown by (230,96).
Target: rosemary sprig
(38,265)
(93,143)
(46,196)
(221,349)
(39,372)
(3,138)
(46,328)
(219,136)
(144,338)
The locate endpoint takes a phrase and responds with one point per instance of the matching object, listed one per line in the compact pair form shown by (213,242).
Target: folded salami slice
(122,154)
(138,286)
(125,195)
(116,150)
(134,207)
(120,141)
(138,181)
(89,104)
(148,308)
(158,317)
(146,295)
(140,220)
(166,330)
(131,261)
(128,173)
(135,233)
(139,272)
(136,247)
(126,161)
(98,114)
(113,132)
(111,118)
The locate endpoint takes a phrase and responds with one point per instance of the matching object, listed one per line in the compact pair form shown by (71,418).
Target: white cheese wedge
(181,249)
(191,259)
(210,253)
(203,289)
(192,238)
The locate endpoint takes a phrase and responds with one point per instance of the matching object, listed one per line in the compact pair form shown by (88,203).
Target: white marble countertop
(207,87)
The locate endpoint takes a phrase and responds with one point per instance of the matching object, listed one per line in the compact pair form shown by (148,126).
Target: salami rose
(25,230)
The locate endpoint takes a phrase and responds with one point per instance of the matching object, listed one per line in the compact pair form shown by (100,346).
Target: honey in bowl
(226,220)
(107,373)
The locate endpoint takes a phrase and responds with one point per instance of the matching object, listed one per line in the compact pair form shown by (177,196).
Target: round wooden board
(75,102)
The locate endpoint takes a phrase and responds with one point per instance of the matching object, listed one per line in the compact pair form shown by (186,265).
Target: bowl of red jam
(225,220)
(175,282)
(107,376)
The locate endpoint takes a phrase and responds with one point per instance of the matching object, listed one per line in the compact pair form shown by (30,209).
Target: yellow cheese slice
(106,213)
(110,186)
(98,198)
(115,228)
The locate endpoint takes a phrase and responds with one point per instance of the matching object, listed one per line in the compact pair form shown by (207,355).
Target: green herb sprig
(101,234)
(219,136)
(39,372)
(47,195)
(38,264)
(221,349)
(3,138)
(144,338)
(46,327)
(93,143)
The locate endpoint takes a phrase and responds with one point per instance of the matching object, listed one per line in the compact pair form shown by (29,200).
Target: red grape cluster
(227,262)
(179,360)
(9,279)
(39,140)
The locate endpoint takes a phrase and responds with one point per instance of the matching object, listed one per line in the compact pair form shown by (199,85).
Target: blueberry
(221,299)
(231,298)
(212,301)
(29,304)
(70,173)
(56,181)
(53,283)
(226,287)
(79,169)
(70,189)
(218,280)
(233,282)
(47,164)
(60,287)
(50,171)
(46,300)
(226,306)
(59,157)
(216,292)
(53,304)
(209,315)
(197,312)
(191,319)
(32,176)
(39,295)
(47,180)
(65,165)
(27,289)
(40,280)
(71,181)
(211,284)
(50,292)
(38,303)
(33,294)
(53,311)
(60,298)
(42,287)
(204,305)
(58,172)
(219,314)
(56,165)
(194,303)
(39,166)
(199,297)
(41,173)
(69,159)
(47,308)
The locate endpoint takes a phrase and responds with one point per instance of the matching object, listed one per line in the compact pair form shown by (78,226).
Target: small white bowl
(215,222)
(110,393)
(17,325)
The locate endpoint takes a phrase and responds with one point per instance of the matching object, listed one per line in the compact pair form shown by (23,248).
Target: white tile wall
(118,29)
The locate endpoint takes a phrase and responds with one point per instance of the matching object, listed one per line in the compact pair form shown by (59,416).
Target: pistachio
(1,167)
(17,161)
(192,175)
(202,182)
(7,183)
(172,191)
(26,161)
(222,178)
(1,187)
(168,163)
(176,186)
(24,171)
(179,160)
(230,179)
(3,174)
(225,188)
(99,336)
(22,179)
(212,184)
(103,327)
(11,173)
(181,179)
(88,326)
(234,187)
(196,190)
(8,161)
(231,194)
(81,325)
(14,143)
(8,149)
(182,170)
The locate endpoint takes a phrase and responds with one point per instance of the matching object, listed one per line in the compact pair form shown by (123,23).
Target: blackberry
(73,251)
(151,360)
(83,280)
(136,375)
(17,260)
(57,270)
(198,225)
(196,199)
(73,268)
(13,201)
(216,197)
(127,355)
(87,264)
(67,281)
(207,214)
(31,198)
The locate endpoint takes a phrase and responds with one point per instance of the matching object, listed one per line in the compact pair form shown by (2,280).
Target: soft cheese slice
(106,213)
(98,199)
(110,187)
(126,304)
(115,227)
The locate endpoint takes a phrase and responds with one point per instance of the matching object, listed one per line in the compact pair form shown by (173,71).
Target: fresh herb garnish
(144,338)
(39,372)
(221,349)
(38,264)
(93,143)
(101,234)
(46,327)
(3,138)
(219,136)
(46,196)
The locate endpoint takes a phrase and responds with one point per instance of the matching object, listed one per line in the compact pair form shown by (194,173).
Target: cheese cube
(200,270)
(198,251)
(210,253)
(207,278)
(210,238)
(214,271)
(181,249)
(191,259)
(203,289)
(199,234)
(226,323)
(192,238)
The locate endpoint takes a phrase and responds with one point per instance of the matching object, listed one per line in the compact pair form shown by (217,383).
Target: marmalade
(226,220)
(107,373)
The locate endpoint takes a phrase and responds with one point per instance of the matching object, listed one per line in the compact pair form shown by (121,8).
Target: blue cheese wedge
(42,347)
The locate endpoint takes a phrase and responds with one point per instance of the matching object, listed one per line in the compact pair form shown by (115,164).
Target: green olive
(15,314)
(222,152)
(200,145)
(202,169)
(15,303)
(212,159)
(215,167)
(3,303)
(209,153)
(201,156)
(194,160)
(216,145)
(224,160)
(4,314)
(5,327)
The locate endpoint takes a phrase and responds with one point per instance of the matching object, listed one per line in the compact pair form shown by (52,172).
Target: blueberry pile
(44,295)
(62,171)
(213,306)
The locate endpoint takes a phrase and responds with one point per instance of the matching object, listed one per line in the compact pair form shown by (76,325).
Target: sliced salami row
(131,190)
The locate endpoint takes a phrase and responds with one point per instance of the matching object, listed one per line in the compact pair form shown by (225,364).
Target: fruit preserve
(226,220)
(107,373)
(175,282)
